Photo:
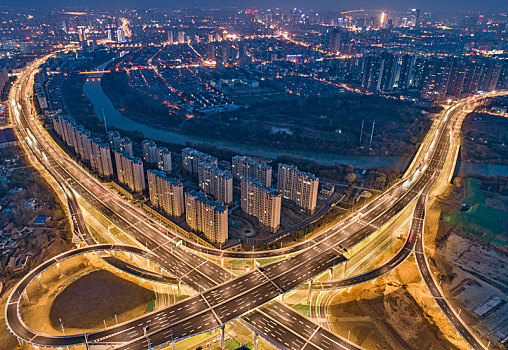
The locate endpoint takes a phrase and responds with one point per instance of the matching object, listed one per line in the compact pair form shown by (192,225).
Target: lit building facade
(191,159)
(243,166)
(261,202)
(166,193)
(216,182)
(206,216)
(298,186)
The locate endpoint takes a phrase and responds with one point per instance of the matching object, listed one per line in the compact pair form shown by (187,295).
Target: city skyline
(397,5)
(277,177)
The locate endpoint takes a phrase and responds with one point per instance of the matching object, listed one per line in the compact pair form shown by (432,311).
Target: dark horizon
(436,6)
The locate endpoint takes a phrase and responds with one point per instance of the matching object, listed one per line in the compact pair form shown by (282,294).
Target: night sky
(425,5)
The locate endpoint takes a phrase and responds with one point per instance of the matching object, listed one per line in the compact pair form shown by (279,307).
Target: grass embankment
(480,220)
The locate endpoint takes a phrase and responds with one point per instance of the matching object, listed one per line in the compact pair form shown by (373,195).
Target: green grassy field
(304,309)
(480,220)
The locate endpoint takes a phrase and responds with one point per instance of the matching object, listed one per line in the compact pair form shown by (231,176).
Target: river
(485,169)
(103,106)
(102,103)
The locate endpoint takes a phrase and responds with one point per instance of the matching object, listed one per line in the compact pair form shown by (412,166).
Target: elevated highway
(222,299)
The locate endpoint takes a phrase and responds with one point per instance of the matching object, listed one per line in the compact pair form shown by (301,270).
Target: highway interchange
(221,297)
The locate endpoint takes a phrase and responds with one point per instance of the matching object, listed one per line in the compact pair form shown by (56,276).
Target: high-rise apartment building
(181,37)
(100,159)
(91,150)
(372,69)
(264,203)
(191,159)
(120,35)
(490,75)
(166,193)
(405,71)
(125,146)
(114,140)
(216,182)
(298,186)
(164,160)
(472,76)
(456,81)
(149,151)
(243,166)
(436,79)
(206,216)
(130,171)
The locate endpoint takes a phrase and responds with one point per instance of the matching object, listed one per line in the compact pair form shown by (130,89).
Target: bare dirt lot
(96,295)
(471,271)
(394,312)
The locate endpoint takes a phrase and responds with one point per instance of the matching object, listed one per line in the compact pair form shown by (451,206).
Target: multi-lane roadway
(221,298)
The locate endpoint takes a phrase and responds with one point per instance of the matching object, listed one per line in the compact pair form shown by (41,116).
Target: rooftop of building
(294,168)
(172,180)
(272,191)
(196,152)
(253,161)
(221,172)
(201,197)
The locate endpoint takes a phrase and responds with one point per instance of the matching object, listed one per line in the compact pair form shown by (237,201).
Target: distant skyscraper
(419,69)
(490,75)
(372,69)
(298,186)
(170,37)
(81,34)
(415,17)
(181,37)
(388,69)
(211,51)
(109,32)
(406,71)
(335,42)
(436,79)
(166,193)
(472,76)
(120,34)
(456,81)
(206,216)
(502,83)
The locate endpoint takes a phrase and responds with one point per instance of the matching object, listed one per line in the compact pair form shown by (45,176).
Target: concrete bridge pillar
(330,272)
(222,337)
(256,341)
(59,269)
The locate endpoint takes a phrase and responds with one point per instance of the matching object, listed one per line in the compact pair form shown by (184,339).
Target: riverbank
(103,107)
